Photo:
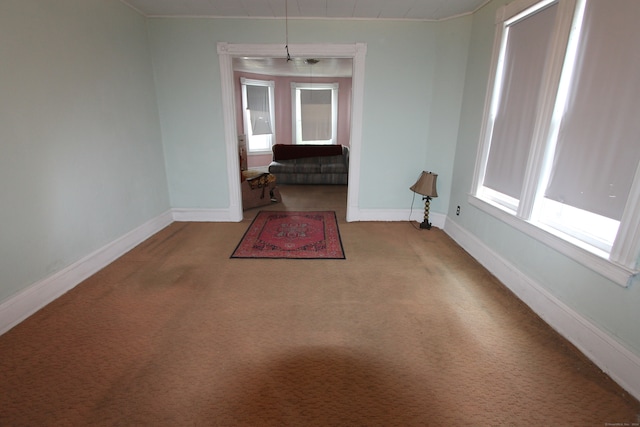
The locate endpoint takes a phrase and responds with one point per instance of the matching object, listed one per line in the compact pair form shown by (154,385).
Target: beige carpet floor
(407,331)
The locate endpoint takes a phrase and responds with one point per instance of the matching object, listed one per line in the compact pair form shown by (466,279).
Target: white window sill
(617,273)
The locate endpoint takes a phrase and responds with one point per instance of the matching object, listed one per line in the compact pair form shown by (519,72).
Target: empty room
(310,212)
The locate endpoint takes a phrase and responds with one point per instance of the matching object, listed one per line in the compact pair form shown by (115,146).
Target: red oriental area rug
(297,235)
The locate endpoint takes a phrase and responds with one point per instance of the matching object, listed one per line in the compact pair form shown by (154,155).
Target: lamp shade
(426,184)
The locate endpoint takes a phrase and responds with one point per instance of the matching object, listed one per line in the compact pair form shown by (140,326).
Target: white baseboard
(437,219)
(203,215)
(23,304)
(622,365)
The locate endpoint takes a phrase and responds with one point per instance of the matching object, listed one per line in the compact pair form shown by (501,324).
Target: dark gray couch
(310,164)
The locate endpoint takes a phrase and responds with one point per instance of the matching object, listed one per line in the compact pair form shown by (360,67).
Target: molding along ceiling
(421,10)
(410,10)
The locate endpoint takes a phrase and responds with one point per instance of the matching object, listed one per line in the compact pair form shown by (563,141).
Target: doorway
(226,53)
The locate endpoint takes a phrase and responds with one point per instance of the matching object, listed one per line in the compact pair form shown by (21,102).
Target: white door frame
(226,52)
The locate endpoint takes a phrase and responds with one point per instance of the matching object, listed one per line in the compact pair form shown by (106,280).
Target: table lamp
(426,187)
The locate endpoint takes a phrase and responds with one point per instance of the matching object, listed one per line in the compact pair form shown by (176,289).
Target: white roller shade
(598,146)
(315,108)
(525,53)
(258,106)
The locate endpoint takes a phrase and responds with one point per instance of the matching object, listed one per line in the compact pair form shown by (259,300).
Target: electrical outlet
(458,211)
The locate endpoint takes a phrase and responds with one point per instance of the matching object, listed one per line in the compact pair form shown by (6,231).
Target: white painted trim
(204,215)
(230,132)
(307,18)
(400,215)
(622,365)
(516,7)
(296,134)
(613,271)
(226,52)
(355,144)
(23,304)
(626,247)
(130,6)
(540,149)
(486,127)
(396,215)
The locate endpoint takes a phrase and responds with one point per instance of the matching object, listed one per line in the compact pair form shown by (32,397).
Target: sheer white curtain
(598,146)
(527,47)
(315,111)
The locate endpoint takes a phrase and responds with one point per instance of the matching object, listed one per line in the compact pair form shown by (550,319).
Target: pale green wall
(413,92)
(613,308)
(81,159)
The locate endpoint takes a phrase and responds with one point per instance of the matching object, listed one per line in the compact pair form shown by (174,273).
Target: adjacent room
(293,119)
(503,293)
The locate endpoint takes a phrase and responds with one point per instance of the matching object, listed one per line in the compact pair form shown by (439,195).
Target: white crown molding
(303,18)
(23,304)
(622,365)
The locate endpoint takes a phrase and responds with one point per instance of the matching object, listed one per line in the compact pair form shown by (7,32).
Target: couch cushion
(306,168)
(334,168)
(331,160)
(288,151)
(294,167)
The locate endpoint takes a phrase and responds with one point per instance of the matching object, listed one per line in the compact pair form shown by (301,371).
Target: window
(560,150)
(315,113)
(258,113)
(525,45)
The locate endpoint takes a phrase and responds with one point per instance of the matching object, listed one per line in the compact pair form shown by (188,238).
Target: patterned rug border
(328,215)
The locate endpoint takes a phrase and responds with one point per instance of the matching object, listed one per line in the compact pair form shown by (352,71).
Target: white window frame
(620,263)
(295,111)
(269,139)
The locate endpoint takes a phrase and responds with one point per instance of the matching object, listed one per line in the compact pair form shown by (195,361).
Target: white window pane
(528,44)
(315,113)
(258,114)
(257,98)
(259,142)
(509,204)
(258,106)
(597,151)
(316,122)
(595,230)
(260,123)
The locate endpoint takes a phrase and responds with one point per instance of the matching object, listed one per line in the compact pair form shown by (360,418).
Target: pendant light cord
(286,28)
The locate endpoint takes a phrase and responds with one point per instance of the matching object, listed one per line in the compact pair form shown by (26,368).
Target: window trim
(334,108)
(270,84)
(620,265)
(613,271)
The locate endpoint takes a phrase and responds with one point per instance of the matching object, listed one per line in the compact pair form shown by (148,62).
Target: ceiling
(425,10)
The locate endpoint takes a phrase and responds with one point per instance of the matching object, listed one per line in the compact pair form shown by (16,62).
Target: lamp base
(425,225)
